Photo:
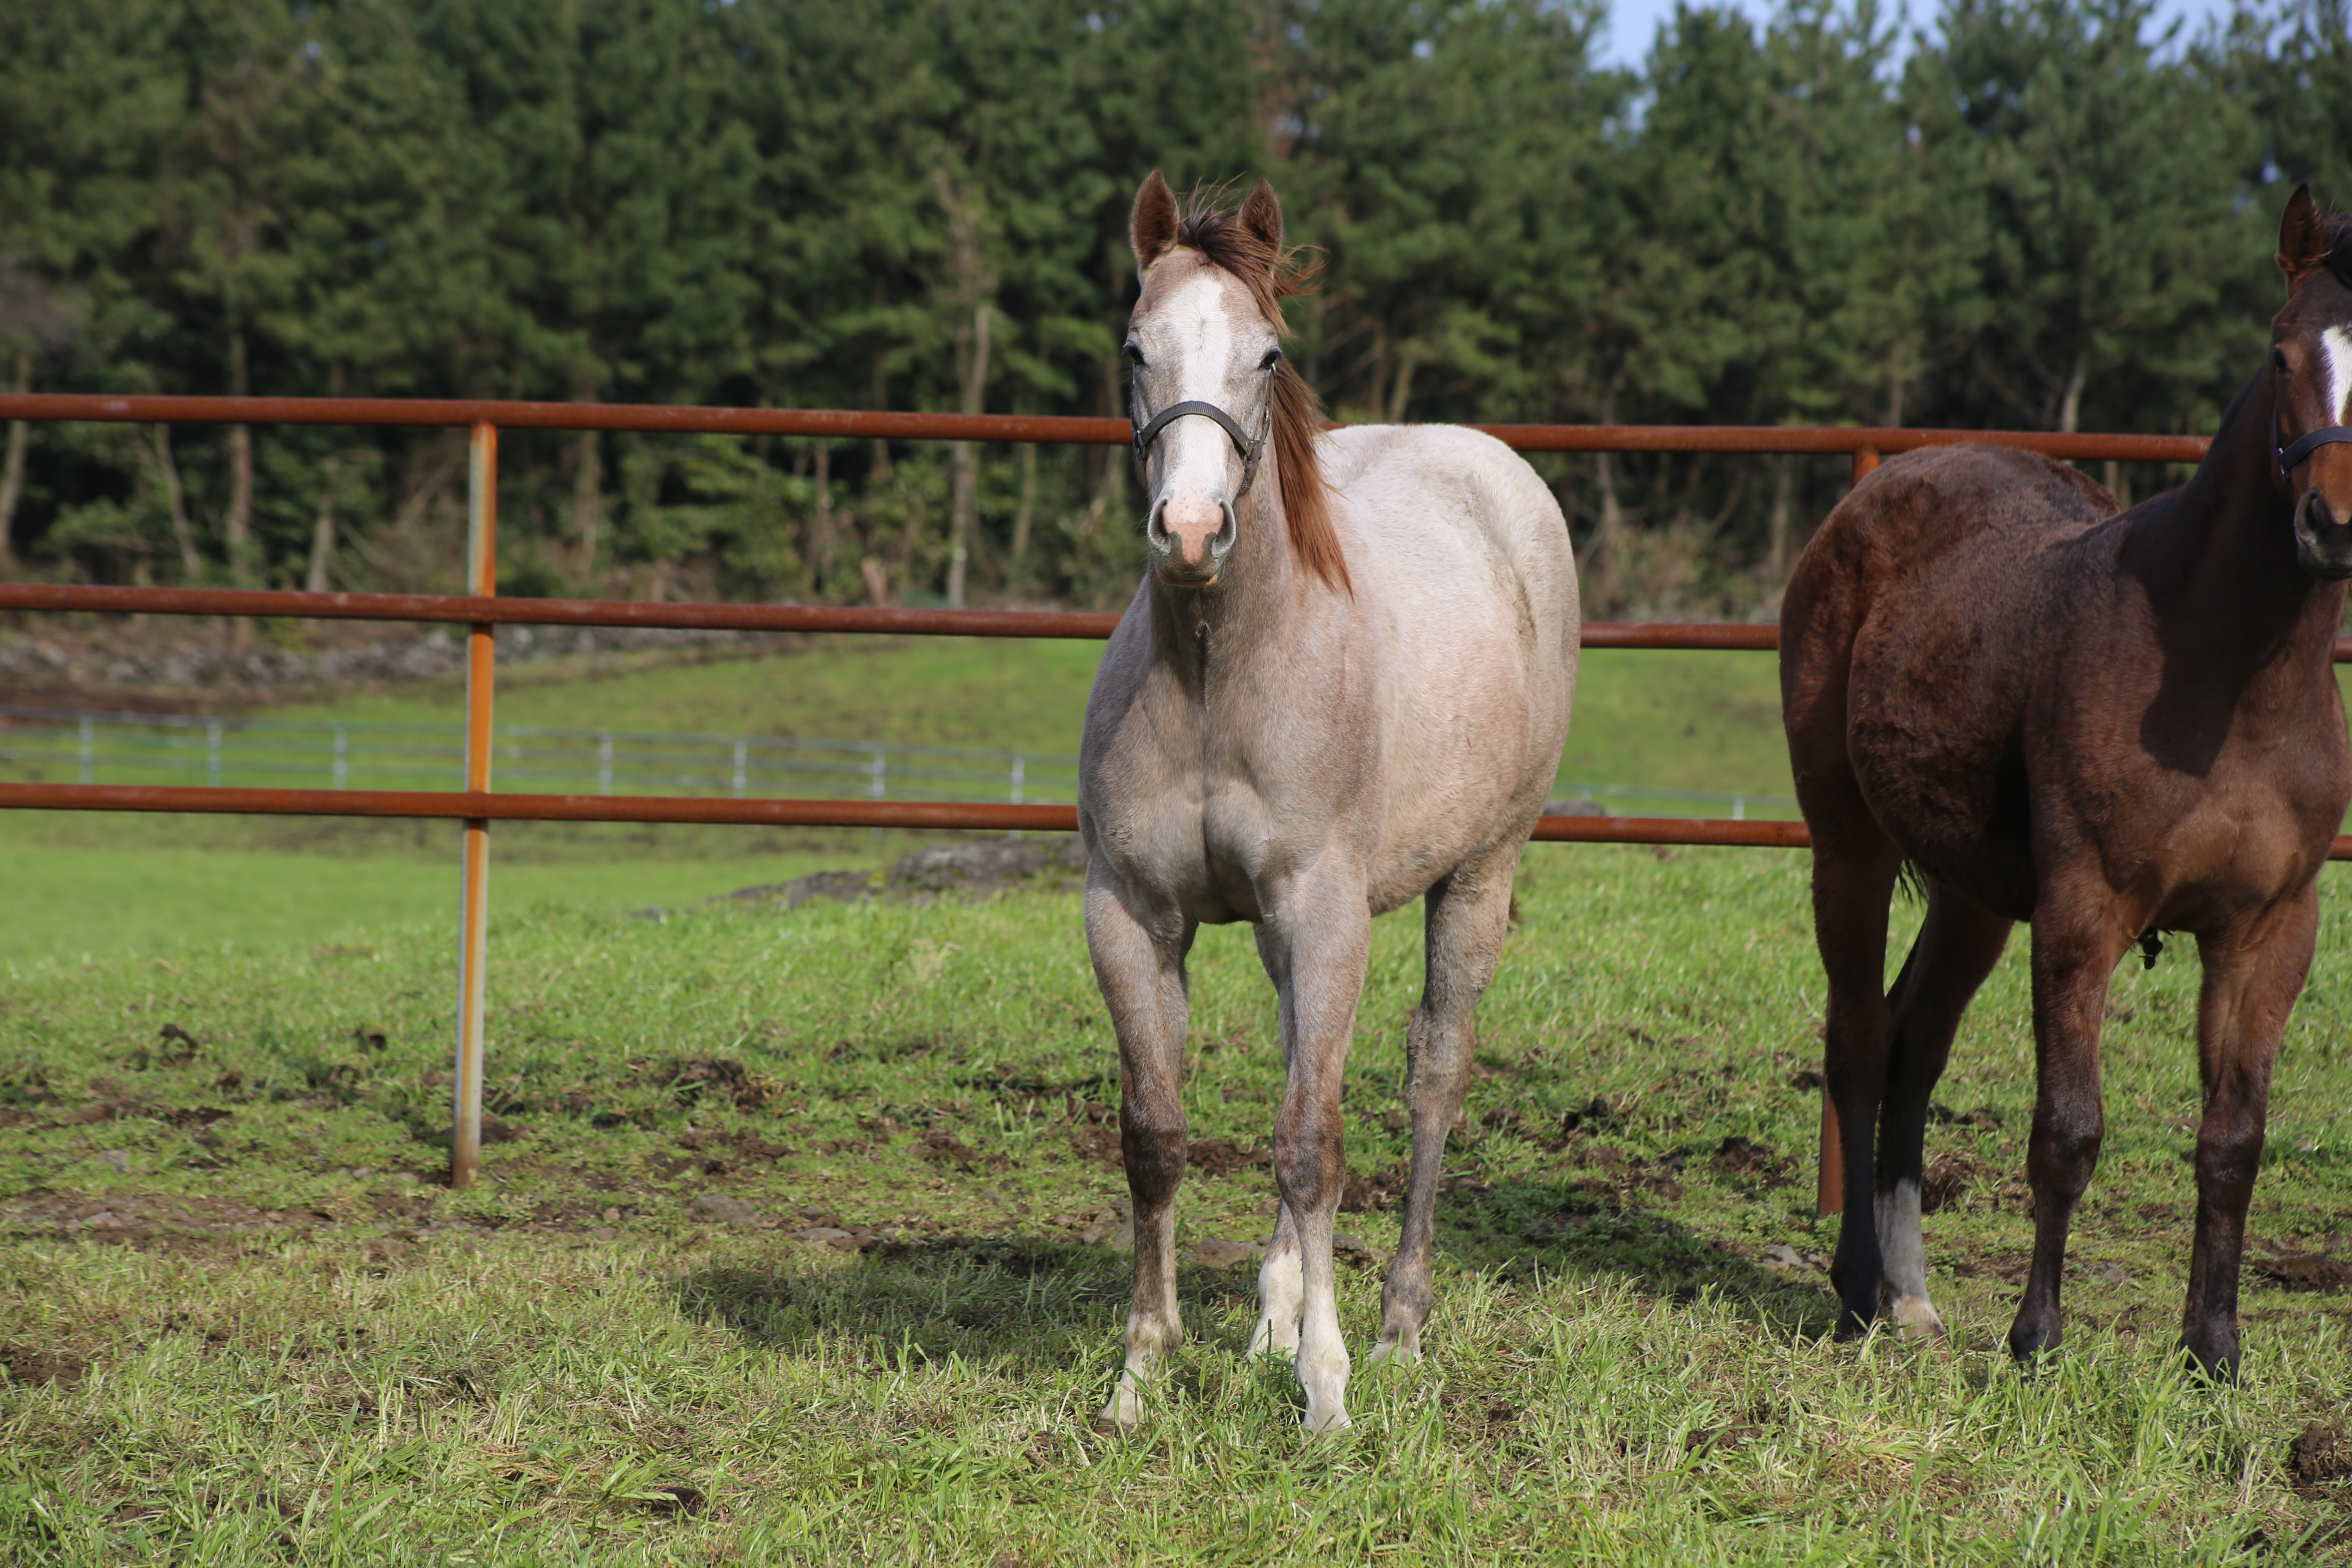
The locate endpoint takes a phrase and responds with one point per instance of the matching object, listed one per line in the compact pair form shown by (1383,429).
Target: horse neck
(2221,550)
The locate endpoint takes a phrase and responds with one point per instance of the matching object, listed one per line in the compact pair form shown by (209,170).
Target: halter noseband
(1244,443)
(2304,446)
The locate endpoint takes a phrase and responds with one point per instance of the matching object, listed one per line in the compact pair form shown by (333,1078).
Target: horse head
(2311,393)
(1209,391)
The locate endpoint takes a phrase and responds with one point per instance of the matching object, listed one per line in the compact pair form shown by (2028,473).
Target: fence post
(212,753)
(1865,459)
(741,748)
(342,756)
(89,750)
(605,763)
(473,947)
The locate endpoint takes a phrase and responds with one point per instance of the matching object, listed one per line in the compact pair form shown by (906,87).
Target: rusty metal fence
(481,611)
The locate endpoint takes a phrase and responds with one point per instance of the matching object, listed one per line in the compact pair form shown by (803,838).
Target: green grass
(272,1336)
(110,883)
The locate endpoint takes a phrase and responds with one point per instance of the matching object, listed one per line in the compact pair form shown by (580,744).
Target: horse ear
(2303,238)
(1262,214)
(1151,227)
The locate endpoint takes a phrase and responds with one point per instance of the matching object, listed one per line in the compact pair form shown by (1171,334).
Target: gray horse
(1345,682)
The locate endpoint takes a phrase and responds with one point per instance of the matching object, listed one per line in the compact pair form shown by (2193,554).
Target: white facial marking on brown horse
(2338,343)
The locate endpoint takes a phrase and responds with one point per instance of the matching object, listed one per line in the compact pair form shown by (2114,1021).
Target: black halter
(2304,446)
(1248,447)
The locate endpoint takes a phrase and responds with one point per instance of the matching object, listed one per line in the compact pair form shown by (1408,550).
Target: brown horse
(2107,723)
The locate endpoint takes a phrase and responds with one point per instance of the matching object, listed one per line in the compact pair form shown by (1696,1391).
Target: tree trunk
(587,494)
(1026,510)
(819,543)
(192,564)
(1603,546)
(12,469)
(963,506)
(236,526)
(1402,394)
(2069,407)
(322,531)
(1776,558)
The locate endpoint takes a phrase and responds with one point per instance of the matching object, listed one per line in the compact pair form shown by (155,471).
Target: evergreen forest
(2019,214)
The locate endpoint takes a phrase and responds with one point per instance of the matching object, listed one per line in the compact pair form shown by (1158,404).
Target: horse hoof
(1330,1423)
(2216,1364)
(1119,1416)
(1916,1321)
(2029,1343)
(1398,1349)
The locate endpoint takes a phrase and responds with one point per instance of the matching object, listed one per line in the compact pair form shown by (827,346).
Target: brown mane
(1271,272)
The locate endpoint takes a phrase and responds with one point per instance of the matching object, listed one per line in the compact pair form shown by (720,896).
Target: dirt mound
(2306,1271)
(974,868)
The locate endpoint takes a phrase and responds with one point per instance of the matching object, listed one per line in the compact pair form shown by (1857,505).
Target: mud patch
(2306,1271)
(52,1369)
(1946,1180)
(2322,1454)
(973,868)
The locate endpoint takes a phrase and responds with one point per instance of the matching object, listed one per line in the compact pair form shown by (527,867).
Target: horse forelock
(1271,272)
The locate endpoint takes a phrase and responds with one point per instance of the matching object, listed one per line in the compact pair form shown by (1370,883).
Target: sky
(1632,24)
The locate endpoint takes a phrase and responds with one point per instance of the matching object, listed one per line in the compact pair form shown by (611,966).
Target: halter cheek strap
(2304,446)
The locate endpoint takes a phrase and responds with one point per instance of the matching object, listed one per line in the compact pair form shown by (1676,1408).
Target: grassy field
(795,1248)
(104,883)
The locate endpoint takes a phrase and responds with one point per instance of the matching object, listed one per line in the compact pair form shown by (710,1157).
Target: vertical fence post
(212,753)
(881,780)
(1865,459)
(605,763)
(342,756)
(473,947)
(741,768)
(89,750)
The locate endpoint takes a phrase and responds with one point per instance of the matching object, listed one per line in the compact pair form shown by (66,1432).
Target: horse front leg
(1314,942)
(2075,952)
(1468,915)
(1138,959)
(2251,981)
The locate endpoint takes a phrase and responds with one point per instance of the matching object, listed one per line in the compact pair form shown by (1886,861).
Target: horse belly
(1935,749)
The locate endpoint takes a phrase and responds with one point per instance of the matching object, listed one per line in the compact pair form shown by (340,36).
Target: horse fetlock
(2034,1334)
(2213,1347)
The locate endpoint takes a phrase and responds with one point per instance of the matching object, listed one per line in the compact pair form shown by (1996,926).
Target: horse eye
(2278,359)
(1134,356)
(1273,357)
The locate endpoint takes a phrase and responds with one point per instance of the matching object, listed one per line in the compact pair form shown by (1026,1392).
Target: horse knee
(2229,1157)
(1309,1167)
(2066,1146)
(1154,1144)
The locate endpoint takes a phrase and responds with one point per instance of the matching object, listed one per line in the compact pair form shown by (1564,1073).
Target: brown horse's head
(2311,393)
(1209,390)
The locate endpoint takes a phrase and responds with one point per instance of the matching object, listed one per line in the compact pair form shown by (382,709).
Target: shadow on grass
(1525,1227)
(1025,1299)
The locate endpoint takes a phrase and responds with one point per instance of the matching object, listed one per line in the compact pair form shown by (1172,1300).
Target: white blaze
(1195,322)
(2338,343)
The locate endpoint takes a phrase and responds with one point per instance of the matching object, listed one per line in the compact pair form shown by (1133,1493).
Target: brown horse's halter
(2304,446)
(1249,447)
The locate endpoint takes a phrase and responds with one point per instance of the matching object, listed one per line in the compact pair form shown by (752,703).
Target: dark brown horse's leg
(2075,952)
(1138,959)
(1853,873)
(1959,944)
(2252,980)
(1469,913)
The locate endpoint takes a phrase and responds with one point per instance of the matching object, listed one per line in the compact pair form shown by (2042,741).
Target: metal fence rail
(481,611)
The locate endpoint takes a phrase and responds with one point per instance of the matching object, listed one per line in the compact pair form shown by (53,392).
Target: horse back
(1911,633)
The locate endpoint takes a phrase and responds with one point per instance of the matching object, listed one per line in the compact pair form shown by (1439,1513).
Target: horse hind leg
(1959,944)
(1855,866)
(1468,914)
